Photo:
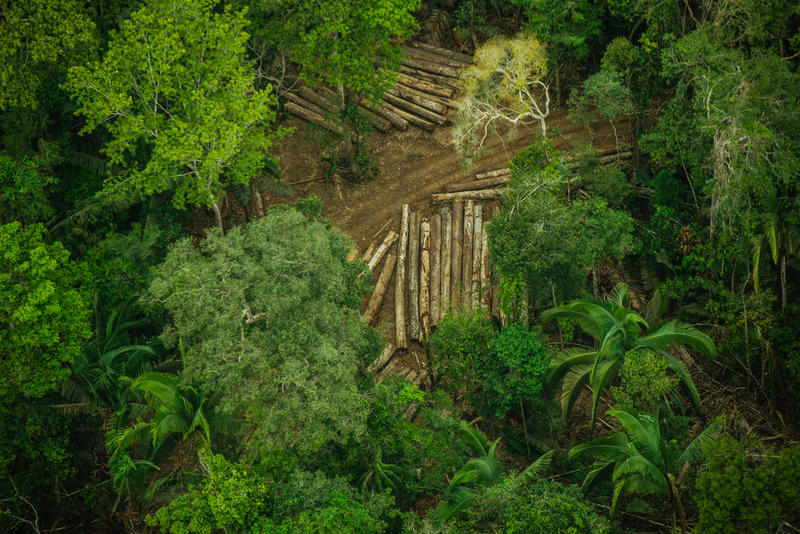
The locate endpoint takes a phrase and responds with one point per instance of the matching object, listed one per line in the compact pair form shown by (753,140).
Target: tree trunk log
(425,276)
(413,108)
(376,299)
(419,122)
(397,121)
(400,288)
(327,103)
(477,255)
(456,253)
(382,360)
(310,116)
(436,268)
(379,123)
(483,194)
(413,274)
(477,184)
(424,86)
(429,66)
(443,81)
(486,282)
(466,262)
(420,99)
(447,237)
(493,174)
(389,370)
(452,54)
(303,103)
(391,237)
(368,253)
(424,55)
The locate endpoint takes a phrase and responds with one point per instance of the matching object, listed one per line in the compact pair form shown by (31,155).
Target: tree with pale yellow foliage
(506,84)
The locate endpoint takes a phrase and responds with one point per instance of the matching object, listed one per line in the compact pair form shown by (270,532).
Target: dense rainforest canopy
(178,355)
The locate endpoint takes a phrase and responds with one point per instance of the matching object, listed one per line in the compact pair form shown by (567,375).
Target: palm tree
(639,459)
(617,330)
(779,234)
(479,473)
(107,359)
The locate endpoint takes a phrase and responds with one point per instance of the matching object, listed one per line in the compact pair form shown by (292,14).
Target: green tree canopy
(36,36)
(176,94)
(266,318)
(43,319)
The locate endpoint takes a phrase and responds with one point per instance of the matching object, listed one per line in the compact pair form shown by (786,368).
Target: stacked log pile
(426,84)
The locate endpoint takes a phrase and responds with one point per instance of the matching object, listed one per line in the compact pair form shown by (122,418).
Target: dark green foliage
(24,186)
(43,319)
(236,497)
(740,489)
(644,380)
(517,371)
(546,240)
(536,508)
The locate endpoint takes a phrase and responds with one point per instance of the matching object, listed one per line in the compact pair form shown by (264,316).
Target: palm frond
(686,382)
(540,465)
(162,387)
(601,377)
(693,451)
(675,333)
(643,432)
(572,387)
(563,362)
(475,438)
(619,295)
(610,448)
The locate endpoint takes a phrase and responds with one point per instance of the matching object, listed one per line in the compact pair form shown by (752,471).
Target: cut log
(447,237)
(413,274)
(413,108)
(429,66)
(425,86)
(397,121)
(424,55)
(379,123)
(444,81)
(455,253)
(329,105)
(477,255)
(376,299)
(436,268)
(419,122)
(483,194)
(452,54)
(425,276)
(303,103)
(486,282)
(477,184)
(392,368)
(368,253)
(310,116)
(400,288)
(466,255)
(382,360)
(388,241)
(420,99)
(493,174)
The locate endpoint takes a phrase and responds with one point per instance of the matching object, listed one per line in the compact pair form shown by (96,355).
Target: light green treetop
(266,317)
(506,84)
(43,319)
(176,94)
(338,42)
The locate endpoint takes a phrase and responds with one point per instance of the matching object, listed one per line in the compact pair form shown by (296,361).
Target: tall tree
(351,46)
(176,94)
(266,318)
